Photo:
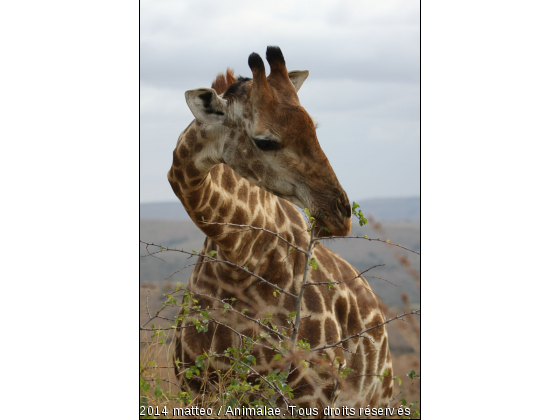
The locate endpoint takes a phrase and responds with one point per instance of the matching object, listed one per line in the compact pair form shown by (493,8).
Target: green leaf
(362,219)
(313,263)
(145,386)
(212,253)
(277,356)
(358,214)
(292,314)
(311,218)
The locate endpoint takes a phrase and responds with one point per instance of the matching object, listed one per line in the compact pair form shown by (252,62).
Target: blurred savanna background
(364,92)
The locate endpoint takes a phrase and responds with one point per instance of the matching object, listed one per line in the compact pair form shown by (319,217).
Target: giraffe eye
(266,144)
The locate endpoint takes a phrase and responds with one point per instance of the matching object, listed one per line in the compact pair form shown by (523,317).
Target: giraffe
(251,154)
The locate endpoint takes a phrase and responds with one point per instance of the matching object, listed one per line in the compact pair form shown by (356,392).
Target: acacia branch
(400,392)
(416,312)
(343,281)
(151,317)
(367,239)
(152,254)
(162,379)
(300,297)
(187,266)
(147,306)
(255,228)
(335,389)
(234,330)
(225,262)
(278,391)
(381,278)
(175,328)
(256,321)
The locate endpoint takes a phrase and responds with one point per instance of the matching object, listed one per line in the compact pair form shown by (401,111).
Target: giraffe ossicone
(251,154)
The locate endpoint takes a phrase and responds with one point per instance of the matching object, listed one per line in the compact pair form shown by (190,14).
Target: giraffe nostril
(342,208)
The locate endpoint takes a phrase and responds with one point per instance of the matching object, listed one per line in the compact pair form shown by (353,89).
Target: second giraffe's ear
(206,105)
(298,77)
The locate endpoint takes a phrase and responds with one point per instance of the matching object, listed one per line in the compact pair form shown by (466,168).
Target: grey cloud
(363,86)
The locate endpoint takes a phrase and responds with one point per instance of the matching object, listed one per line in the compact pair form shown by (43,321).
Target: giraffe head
(264,134)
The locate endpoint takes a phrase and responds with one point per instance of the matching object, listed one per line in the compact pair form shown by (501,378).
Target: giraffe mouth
(336,219)
(332,226)
(339,223)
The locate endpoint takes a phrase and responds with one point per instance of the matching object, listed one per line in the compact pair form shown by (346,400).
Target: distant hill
(383,209)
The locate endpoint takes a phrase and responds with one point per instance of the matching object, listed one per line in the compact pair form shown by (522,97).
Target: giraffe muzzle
(338,220)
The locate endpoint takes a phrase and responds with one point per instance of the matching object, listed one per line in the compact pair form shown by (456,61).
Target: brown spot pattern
(228,181)
(242,193)
(224,196)
(191,170)
(183,151)
(178,174)
(378,332)
(382,355)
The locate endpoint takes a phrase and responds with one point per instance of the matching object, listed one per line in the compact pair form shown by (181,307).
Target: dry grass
(156,358)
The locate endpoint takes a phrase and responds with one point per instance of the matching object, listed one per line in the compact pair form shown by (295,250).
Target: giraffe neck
(211,192)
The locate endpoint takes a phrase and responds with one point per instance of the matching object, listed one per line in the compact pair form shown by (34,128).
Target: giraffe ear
(298,77)
(206,105)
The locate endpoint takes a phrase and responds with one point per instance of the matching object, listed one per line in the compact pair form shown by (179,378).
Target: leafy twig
(225,262)
(367,239)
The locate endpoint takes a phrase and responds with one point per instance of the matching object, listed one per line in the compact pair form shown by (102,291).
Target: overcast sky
(363,87)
